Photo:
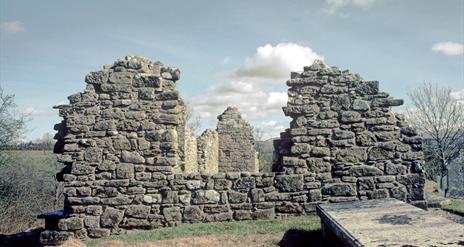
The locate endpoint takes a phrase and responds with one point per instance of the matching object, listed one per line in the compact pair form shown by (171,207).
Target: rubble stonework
(190,152)
(124,144)
(236,143)
(343,131)
(208,152)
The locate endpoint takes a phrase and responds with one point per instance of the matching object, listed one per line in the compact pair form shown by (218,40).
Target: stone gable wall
(343,131)
(236,143)
(124,145)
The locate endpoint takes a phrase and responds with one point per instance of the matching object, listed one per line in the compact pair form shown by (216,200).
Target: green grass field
(237,229)
(456,206)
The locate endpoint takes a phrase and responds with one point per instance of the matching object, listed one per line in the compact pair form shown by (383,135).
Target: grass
(235,228)
(456,206)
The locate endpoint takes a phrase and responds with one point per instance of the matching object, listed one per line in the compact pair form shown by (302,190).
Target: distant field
(243,233)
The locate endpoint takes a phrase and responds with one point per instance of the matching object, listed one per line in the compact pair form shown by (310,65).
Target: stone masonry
(190,152)
(208,152)
(124,145)
(344,132)
(236,143)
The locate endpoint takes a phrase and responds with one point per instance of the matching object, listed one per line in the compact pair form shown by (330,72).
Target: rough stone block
(288,183)
(172,214)
(365,170)
(339,189)
(237,197)
(205,197)
(138,211)
(193,214)
(111,217)
(70,224)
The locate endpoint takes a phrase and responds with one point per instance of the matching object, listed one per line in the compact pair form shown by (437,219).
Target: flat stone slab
(388,222)
(60,214)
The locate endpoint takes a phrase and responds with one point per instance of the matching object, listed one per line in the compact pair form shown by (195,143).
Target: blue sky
(230,52)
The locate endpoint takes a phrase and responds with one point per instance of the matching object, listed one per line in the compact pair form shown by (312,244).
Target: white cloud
(458,95)
(12,26)
(256,87)
(276,62)
(254,103)
(272,128)
(449,48)
(34,112)
(62,102)
(334,6)
(356,3)
(225,60)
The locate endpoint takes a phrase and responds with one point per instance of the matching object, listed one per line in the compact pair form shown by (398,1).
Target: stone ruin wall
(343,131)
(124,145)
(236,144)
(208,152)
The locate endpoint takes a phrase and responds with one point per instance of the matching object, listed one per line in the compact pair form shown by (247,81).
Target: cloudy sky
(230,52)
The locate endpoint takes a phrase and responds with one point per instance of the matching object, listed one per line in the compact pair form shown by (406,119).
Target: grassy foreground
(236,228)
(456,206)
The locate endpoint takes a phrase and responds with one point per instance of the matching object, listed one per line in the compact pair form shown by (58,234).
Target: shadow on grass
(23,239)
(297,238)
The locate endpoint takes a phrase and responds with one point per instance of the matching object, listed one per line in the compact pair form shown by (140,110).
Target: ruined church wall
(208,152)
(170,200)
(190,152)
(344,131)
(124,144)
(236,143)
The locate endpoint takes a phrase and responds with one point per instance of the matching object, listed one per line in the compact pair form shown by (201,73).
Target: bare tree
(11,121)
(27,178)
(440,118)
(259,146)
(192,120)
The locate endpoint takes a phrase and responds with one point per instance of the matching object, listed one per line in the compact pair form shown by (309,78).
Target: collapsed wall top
(236,143)
(344,131)
(129,114)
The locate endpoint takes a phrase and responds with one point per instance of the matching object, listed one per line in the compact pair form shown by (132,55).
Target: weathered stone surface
(138,211)
(301,148)
(339,189)
(132,157)
(236,143)
(50,237)
(193,214)
(205,196)
(350,117)
(368,88)
(74,223)
(361,105)
(111,217)
(351,155)
(289,208)
(289,183)
(172,214)
(293,161)
(131,162)
(125,170)
(364,170)
(190,151)
(379,153)
(456,178)
(386,102)
(237,197)
(342,134)
(208,152)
